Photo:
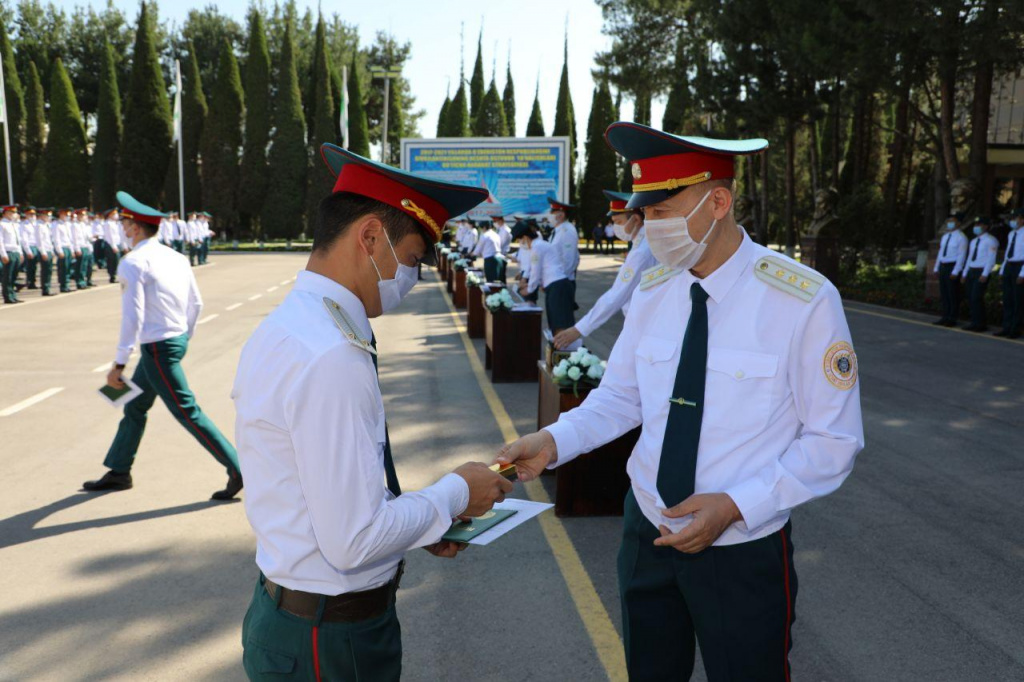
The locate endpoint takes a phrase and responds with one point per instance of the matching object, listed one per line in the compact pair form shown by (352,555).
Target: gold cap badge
(636,171)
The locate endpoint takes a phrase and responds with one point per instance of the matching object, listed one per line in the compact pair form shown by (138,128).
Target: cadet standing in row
(1012,277)
(11,253)
(27,227)
(547,271)
(566,242)
(44,244)
(64,245)
(738,364)
(949,265)
(488,247)
(981,259)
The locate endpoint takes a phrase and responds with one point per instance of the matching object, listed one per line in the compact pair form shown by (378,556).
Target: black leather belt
(351,607)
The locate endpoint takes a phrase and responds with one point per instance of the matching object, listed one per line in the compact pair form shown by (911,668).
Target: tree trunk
(755,204)
(642,112)
(815,184)
(790,186)
(979,121)
(947,108)
(762,221)
(837,106)
(940,201)
(894,180)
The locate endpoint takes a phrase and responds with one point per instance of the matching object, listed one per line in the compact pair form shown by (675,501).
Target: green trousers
(159,373)
(113,258)
(83,269)
(280,646)
(46,271)
(30,266)
(736,601)
(64,266)
(8,277)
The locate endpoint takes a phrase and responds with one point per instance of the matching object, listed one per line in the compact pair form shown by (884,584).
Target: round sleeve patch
(840,366)
(627,273)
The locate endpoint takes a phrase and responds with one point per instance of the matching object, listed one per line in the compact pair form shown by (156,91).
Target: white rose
(595,372)
(574,373)
(558,372)
(589,360)
(563,365)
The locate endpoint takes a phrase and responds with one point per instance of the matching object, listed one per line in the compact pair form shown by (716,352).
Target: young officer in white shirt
(949,265)
(322,494)
(1012,275)
(737,363)
(160,304)
(547,271)
(11,253)
(629,227)
(981,258)
(566,241)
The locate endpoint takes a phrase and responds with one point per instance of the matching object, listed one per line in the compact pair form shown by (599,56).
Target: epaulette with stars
(652,277)
(795,280)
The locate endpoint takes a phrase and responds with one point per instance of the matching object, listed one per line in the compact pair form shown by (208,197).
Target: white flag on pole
(344,107)
(177,101)
(3,98)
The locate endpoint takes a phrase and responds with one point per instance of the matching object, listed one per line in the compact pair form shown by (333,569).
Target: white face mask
(1015,224)
(392,291)
(623,232)
(951,225)
(670,241)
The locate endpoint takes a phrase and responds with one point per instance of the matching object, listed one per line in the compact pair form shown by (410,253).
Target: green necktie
(389,463)
(678,466)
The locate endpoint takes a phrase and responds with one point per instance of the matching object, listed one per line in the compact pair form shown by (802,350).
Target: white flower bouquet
(500,301)
(473,280)
(461,264)
(581,366)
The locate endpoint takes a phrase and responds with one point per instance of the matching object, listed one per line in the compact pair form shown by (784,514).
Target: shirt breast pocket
(656,361)
(740,389)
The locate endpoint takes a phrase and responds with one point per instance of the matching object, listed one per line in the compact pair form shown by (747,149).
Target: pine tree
(108,133)
(15,98)
(222,140)
(508,100)
(320,181)
(193,120)
(565,120)
(601,172)
(535,126)
(490,121)
(458,114)
(35,129)
(358,128)
(679,98)
(254,173)
(282,212)
(146,146)
(476,82)
(65,160)
(442,118)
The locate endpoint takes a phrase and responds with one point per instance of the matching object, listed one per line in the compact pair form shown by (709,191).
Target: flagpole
(181,155)
(343,113)
(7,139)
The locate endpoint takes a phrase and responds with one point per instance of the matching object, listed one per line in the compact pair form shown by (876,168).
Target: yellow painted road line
(29,402)
(935,326)
(595,617)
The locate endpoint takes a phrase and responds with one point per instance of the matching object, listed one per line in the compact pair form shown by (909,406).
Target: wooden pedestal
(475,313)
(459,295)
(513,345)
(595,483)
(442,261)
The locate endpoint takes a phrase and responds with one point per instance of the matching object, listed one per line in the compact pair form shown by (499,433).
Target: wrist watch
(118,365)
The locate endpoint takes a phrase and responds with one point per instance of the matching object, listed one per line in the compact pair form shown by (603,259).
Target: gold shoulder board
(795,280)
(652,277)
(348,327)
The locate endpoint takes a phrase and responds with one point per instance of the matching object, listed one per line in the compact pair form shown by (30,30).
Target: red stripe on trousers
(316,655)
(180,408)
(789,604)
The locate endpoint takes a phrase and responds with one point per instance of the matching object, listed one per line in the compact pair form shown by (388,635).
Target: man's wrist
(118,365)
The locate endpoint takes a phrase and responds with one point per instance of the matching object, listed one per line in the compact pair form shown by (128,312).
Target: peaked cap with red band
(662,164)
(429,202)
(560,206)
(616,202)
(134,209)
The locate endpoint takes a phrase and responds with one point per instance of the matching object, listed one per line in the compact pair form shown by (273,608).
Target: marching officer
(566,241)
(629,227)
(949,264)
(331,521)
(738,364)
(11,253)
(1013,278)
(981,259)
(547,271)
(160,304)
(84,251)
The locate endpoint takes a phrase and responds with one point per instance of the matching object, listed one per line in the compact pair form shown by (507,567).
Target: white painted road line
(29,402)
(234,306)
(103,368)
(253,298)
(287,281)
(271,290)
(62,297)
(208,318)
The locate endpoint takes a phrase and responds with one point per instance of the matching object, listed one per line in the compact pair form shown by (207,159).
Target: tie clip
(680,401)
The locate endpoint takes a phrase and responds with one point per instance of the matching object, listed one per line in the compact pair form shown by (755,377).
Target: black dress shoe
(110,481)
(234,485)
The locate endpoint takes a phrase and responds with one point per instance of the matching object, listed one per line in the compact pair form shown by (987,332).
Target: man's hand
(44,256)
(29,256)
(78,254)
(983,279)
(485,487)
(712,514)
(5,260)
(566,337)
(446,549)
(114,378)
(531,454)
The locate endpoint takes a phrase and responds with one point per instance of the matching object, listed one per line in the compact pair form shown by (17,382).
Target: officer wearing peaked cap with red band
(737,364)
(322,493)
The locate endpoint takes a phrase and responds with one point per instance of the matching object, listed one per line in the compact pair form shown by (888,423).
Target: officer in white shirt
(738,365)
(981,258)
(112,236)
(629,227)
(44,244)
(566,241)
(99,242)
(331,521)
(190,228)
(1013,278)
(949,264)
(504,234)
(27,231)
(82,234)
(547,271)
(160,304)
(469,238)
(523,259)
(64,245)
(11,253)
(488,247)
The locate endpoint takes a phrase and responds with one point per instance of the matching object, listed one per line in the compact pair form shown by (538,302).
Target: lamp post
(387,73)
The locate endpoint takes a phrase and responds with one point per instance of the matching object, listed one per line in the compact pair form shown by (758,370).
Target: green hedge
(272,247)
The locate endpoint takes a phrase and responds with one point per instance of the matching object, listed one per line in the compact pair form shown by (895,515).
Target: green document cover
(464,532)
(114,393)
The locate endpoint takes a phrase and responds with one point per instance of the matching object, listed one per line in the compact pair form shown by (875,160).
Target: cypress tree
(476,82)
(458,114)
(108,133)
(565,123)
(35,129)
(15,98)
(358,128)
(319,179)
(281,216)
(193,120)
(508,100)
(222,140)
(535,126)
(678,106)
(146,146)
(490,121)
(65,160)
(254,174)
(602,166)
(442,118)
(308,83)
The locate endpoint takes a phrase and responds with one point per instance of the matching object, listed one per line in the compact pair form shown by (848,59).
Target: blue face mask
(977,230)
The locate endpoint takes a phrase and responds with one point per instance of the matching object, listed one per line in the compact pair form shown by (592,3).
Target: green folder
(114,393)
(464,532)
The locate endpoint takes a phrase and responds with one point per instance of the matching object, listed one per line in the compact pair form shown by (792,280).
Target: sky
(532,29)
